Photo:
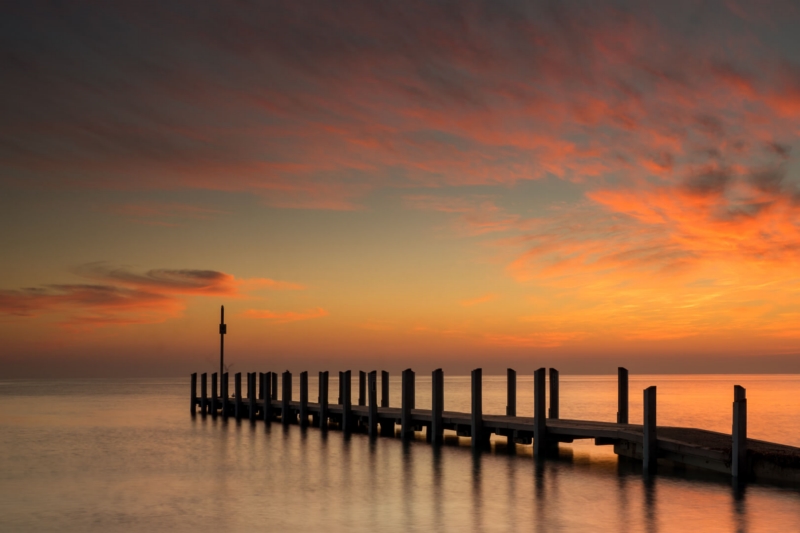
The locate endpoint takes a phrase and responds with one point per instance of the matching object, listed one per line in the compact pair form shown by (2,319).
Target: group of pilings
(264,404)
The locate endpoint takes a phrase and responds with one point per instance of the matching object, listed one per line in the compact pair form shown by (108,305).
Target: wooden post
(237,390)
(539,414)
(223,329)
(214,394)
(251,394)
(224,390)
(387,425)
(406,423)
(323,400)
(739,433)
(511,392)
(373,403)
(260,385)
(479,436)
(384,389)
(347,404)
(203,393)
(274,385)
(340,401)
(286,390)
(436,435)
(649,441)
(303,399)
(553,394)
(622,395)
(194,392)
(267,396)
(362,387)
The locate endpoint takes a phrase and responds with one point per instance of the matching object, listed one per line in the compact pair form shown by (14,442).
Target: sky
(382,185)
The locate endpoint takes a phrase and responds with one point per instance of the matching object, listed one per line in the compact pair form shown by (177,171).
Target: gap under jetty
(744,459)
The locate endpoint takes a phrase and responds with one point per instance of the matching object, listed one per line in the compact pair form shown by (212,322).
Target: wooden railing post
(436,435)
(193,396)
(323,400)
(480,438)
(362,387)
(553,413)
(384,389)
(622,395)
(214,394)
(203,393)
(286,396)
(347,402)
(237,391)
(739,434)
(224,384)
(267,397)
(511,392)
(251,395)
(372,386)
(649,440)
(303,399)
(274,385)
(406,422)
(260,385)
(539,414)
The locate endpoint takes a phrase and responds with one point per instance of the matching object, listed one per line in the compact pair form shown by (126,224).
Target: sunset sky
(393,184)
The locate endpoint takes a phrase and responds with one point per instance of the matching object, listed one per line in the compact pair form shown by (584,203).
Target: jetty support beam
(436,434)
(237,390)
(622,395)
(251,395)
(362,387)
(323,400)
(193,396)
(739,447)
(347,402)
(511,392)
(539,414)
(649,441)
(372,386)
(213,394)
(303,399)
(479,437)
(286,397)
(553,394)
(224,384)
(406,424)
(267,398)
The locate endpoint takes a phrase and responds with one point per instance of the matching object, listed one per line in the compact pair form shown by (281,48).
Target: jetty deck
(733,454)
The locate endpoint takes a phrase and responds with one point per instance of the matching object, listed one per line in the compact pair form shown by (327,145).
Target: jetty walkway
(734,454)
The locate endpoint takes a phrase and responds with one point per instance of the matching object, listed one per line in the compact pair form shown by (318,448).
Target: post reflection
(650,511)
(477,499)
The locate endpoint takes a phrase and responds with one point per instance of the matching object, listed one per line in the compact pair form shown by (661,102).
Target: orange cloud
(479,300)
(285,316)
(125,297)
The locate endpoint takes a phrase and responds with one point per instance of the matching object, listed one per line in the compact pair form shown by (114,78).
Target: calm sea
(125,455)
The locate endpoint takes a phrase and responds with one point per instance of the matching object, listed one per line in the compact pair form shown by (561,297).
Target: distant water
(125,455)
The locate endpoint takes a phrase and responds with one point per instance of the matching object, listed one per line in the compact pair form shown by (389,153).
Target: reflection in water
(87,466)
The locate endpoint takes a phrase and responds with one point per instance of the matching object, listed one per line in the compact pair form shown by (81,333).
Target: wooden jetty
(734,454)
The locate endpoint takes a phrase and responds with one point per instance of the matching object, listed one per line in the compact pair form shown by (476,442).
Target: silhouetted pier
(732,454)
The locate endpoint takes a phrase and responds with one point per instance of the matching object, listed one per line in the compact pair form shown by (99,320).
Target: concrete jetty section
(734,454)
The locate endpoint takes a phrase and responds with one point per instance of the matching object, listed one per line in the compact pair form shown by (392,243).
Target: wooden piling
(372,386)
(347,404)
(554,403)
(237,390)
(622,395)
(649,440)
(436,435)
(286,395)
(511,392)
(539,414)
(362,387)
(323,400)
(214,394)
(274,385)
(251,394)
(194,393)
(479,437)
(384,389)
(406,424)
(341,388)
(267,397)
(739,434)
(203,393)
(260,385)
(303,399)
(224,392)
